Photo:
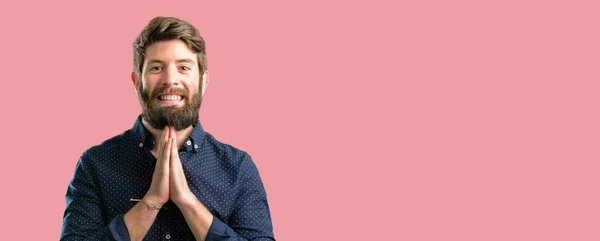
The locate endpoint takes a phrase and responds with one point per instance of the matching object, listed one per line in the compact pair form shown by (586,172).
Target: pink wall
(368,120)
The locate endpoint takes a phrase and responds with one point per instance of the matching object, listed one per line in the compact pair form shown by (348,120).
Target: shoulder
(226,152)
(236,162)
(109,147)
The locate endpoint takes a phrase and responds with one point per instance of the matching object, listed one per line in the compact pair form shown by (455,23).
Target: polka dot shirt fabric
(222,177)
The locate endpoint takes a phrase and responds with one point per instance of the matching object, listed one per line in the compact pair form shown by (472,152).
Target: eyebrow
(152,61)
(191,61)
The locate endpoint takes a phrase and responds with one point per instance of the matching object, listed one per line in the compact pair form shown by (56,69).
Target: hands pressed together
(168,180)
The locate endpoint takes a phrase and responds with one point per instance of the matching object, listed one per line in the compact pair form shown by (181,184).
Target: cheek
(145,92)
(149,84)
(192,85)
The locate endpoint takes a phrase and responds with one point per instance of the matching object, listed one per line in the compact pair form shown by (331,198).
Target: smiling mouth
(170,97)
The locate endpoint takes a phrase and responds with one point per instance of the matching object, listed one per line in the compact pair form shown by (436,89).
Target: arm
(251,220)
(140,218)
(197,216)
(82,218)
(251,217)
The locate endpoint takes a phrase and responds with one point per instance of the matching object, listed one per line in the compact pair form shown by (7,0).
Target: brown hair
(168,28)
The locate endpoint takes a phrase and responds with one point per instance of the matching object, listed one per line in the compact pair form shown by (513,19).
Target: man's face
(169,90)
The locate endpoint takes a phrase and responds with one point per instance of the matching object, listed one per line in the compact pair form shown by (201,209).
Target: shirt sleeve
(251,219)
(83,218)
(118,229)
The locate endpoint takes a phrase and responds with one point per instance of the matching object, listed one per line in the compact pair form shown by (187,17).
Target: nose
(171,76)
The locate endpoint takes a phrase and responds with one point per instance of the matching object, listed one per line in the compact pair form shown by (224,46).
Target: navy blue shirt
(222,177)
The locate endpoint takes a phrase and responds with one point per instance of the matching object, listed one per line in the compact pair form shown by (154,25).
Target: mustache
(167,90)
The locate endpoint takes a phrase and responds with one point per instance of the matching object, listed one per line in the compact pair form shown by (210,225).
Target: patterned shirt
(108,175)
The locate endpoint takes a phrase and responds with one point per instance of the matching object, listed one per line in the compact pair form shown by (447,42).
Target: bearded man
(166,178)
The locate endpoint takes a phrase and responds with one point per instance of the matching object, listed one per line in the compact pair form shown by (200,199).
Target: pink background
(368,120)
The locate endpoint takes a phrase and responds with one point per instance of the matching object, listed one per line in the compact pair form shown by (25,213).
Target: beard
(160,116)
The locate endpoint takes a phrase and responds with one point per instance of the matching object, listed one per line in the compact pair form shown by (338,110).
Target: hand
(158,194)
(180,192)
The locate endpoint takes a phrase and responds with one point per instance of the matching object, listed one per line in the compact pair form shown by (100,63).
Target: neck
(180,136)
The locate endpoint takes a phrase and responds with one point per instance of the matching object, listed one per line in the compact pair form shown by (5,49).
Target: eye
(155,69)
(185,68)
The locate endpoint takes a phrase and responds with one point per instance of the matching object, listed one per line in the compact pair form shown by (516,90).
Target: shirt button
(141,144)
(195,145)
(168,236)
(188,143)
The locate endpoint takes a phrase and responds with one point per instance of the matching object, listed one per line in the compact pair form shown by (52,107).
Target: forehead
(169,51)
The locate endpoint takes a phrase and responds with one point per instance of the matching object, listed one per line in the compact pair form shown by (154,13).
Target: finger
(175,147)
(165,154)
(161,143)
(172,132)
(176,166)
(177,176)
(167,132)
(174,151)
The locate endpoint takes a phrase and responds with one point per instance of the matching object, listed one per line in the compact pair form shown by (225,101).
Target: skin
(169,63)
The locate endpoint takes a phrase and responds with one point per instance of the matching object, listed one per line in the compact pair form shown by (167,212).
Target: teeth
(170,97)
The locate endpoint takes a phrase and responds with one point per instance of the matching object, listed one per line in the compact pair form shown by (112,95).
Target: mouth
(170,99)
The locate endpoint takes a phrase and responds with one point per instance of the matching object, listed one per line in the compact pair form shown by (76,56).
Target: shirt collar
(143,137)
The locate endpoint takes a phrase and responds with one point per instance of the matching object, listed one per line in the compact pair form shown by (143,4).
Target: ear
(204,82)
(135,79)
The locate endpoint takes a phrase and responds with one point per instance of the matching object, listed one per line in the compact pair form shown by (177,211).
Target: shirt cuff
(217,230)
(118,229)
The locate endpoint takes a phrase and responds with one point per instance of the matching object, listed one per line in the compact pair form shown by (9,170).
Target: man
(166,178)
